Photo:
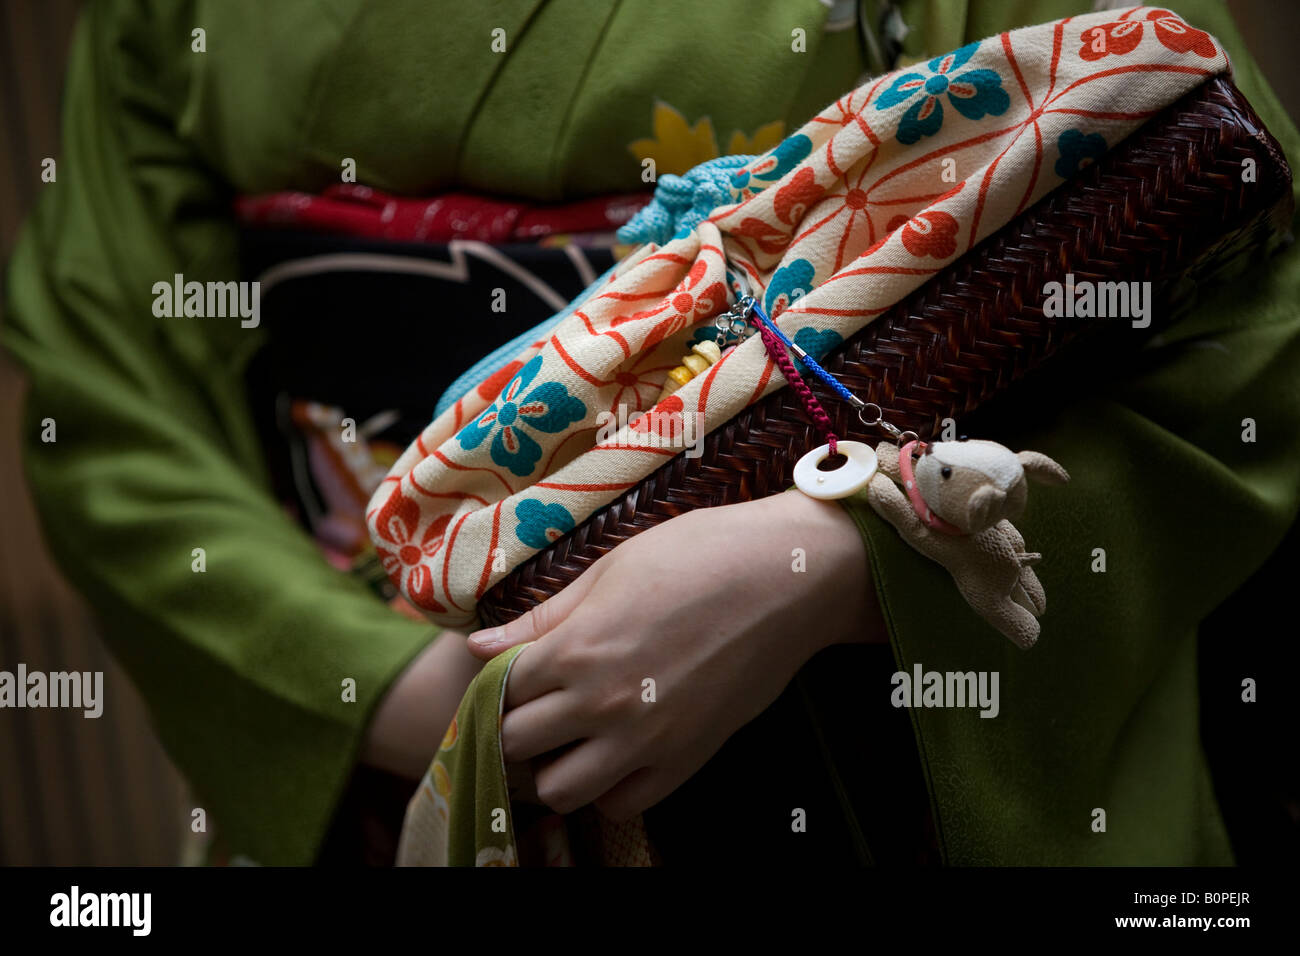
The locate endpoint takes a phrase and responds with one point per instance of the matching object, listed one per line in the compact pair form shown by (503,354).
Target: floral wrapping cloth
(872,197)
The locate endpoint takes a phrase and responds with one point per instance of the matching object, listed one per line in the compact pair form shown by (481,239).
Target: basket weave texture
(1170,205)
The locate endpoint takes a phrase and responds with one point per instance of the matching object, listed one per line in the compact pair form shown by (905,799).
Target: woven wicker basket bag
(1169,205)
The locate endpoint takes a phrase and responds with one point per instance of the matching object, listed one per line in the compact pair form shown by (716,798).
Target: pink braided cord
(777,353)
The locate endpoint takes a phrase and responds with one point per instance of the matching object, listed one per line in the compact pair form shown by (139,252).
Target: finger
(540,726)
(578,776)
(531,675)
(637,793)
(541,619)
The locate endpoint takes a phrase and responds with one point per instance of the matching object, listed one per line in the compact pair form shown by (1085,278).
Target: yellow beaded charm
(703,354)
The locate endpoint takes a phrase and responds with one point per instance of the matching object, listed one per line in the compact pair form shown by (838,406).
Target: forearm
(411,719)
(829,544)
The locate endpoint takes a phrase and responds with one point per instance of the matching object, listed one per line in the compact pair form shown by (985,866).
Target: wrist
(848,612)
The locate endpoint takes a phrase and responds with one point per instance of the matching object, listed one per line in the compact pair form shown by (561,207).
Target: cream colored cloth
(871,198)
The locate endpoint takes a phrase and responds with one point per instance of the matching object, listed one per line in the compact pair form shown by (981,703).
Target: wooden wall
(72,790)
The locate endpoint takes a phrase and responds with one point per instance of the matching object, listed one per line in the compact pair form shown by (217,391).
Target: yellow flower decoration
(441,779)
(677,146)
(449,738)
(766,137)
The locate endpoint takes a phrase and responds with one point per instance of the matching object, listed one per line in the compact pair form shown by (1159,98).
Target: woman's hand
(646,664)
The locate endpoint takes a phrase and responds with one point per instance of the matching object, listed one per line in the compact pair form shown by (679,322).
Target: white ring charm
(851,476)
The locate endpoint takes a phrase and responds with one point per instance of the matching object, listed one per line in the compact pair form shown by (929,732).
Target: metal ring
(903,438)
(880,414)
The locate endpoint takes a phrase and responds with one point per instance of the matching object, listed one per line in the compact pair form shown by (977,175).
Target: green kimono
(242,665)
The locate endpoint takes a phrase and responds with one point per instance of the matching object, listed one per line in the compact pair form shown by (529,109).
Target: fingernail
(488,636)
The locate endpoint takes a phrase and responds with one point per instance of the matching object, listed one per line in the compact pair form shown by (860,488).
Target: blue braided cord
(484,368)
(683,202)
(805,358)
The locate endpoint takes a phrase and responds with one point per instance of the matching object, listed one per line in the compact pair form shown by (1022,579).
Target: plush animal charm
(954,502)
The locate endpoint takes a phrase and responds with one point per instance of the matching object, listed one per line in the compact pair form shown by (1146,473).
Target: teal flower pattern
(1078,150)
(547,408)
(790,282)
(540,524)
(816,342)
(974,94)
(788,154)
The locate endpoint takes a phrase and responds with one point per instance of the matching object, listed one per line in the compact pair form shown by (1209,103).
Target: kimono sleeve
(242,664)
